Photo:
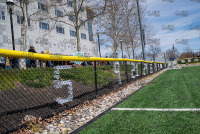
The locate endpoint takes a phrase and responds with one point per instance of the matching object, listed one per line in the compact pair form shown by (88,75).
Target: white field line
(156,109)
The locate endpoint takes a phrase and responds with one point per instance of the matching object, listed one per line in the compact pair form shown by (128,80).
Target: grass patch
(140,122)
(86,75)
(173,89)
(8,78)
(43,77)
(37,77)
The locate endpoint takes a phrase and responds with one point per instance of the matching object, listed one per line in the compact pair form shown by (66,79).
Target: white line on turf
(157,109)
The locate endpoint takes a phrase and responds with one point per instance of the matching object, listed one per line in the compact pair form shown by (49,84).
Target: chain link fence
(188,60)
(41,85)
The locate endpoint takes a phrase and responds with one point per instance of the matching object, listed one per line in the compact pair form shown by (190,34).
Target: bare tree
(131,30)
(128,49)
(80,13)
(23,5)
(112,23)
(172,53)
(164,56)
(138,56)
(188,53)
(153,51)
(121,22)
(26,7)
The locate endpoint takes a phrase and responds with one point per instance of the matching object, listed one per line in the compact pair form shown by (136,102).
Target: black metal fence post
(95,74)
(141,69)
(157,67)
(126,71)
(153,68)
(149,68)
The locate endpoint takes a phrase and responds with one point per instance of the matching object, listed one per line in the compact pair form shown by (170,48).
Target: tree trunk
(128,52)
(77,25)
(154,58)
(78,40)
(23,35)
(115,50)
(22,62)
(133,49)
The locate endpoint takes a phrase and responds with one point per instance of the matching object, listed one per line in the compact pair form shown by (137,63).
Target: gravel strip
(189,65)
(71,119)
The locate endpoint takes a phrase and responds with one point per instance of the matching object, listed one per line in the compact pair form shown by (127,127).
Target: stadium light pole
(121,46)
(165,57)
(173,53)
(141,31)
(99,43)
(10,5)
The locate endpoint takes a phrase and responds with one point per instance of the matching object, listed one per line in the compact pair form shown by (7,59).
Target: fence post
(157,66)
(95,74)
(141,69)
(149,69)
(126,71)
(153,67)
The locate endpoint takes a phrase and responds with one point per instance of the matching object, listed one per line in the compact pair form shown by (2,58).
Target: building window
(71,18)
(59,1)
(59,13)
(42,7)
(72,33)
(83,36)
(44,26)
(19,19)
(70,4)
(60,29)
(90,31)
(2,15)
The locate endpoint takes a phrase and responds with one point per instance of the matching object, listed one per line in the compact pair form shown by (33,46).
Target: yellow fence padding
(50,57)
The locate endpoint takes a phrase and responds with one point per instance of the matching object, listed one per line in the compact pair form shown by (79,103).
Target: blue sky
(182,15)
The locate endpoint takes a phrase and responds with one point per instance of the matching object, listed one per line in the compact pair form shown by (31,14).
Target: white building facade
(58,38)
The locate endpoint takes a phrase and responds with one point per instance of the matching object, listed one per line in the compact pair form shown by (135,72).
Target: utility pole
(121,47)
(173,53)
(99,43)
(141,31)
(165,57)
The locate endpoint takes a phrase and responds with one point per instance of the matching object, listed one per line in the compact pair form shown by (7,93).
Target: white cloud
(181,24)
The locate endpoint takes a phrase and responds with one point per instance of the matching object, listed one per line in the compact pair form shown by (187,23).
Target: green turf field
(173,89)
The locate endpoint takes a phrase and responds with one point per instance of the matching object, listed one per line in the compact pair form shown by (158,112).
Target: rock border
(75,119)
